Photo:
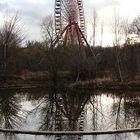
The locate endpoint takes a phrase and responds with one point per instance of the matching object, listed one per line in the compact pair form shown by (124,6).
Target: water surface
(69,110)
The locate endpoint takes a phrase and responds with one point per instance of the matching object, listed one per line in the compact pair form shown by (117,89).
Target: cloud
(3,5)
(107,3)
(30,9)
(99,4)
(31,13)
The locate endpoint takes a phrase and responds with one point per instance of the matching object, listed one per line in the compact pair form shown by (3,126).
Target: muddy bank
(89,84)
(107,85)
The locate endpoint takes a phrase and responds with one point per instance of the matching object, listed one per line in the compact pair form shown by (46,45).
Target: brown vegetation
(37,61)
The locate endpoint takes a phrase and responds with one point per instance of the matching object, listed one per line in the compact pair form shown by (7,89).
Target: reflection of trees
(118,115)
(117,110)
(126,113)
(47,111)
(9,113)
(63,111)
(70,105)
(34,94)
(96,108)
(132,111)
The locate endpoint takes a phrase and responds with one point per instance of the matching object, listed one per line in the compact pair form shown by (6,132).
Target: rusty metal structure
(70,22)
(70,30)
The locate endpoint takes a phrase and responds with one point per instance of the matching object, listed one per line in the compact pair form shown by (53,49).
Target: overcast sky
(32,12)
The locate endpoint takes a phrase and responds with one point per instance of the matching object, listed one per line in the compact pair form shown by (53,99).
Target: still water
(69,110)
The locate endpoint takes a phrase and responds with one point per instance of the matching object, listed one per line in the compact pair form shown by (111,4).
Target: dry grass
(93,83)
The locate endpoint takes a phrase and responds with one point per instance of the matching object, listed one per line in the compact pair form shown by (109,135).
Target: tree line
(120,62)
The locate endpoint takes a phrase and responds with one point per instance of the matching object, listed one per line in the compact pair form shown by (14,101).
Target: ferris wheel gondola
(69,11)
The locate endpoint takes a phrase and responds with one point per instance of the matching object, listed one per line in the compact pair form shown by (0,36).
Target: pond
(69,110)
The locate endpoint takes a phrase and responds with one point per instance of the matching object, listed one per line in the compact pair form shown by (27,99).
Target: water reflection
(11,116)
(125,111)
(61,112)
(72,110)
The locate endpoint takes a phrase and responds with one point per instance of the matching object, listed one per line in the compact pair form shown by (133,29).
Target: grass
(107,83)
(93,83)
(41,79)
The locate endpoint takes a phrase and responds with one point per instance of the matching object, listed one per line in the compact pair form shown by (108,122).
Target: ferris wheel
(69,11)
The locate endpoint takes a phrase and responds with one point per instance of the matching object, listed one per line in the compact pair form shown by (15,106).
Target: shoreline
(107,85)
(81,85)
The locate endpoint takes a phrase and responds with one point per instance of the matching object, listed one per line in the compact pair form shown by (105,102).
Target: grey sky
(32,11)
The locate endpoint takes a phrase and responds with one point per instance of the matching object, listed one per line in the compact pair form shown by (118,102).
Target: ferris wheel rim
(58,16)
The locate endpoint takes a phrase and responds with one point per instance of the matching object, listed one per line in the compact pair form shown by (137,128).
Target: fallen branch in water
(70,132)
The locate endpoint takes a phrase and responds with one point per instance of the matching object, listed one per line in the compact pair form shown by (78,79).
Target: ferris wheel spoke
(67,12)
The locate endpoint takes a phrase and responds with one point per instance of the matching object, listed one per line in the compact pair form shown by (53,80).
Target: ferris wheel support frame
(78,30)
(62,33)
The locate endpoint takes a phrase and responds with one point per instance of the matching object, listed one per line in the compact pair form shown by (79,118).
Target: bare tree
(48,30)
(94,26)
(117,32)
(125,26)
(134,29)
(135,26)
(10,37)
(116,28)
(102,31)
